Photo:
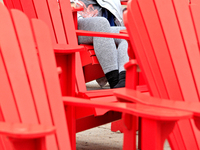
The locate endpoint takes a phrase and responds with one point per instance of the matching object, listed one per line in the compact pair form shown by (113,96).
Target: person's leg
(122,47)
(105,48)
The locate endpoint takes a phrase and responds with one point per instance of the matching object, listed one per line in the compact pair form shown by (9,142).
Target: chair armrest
(130,95)
(19,131)
(65,48)
(76,9)
(136,109)
(124,2)
(95,93)
(102,34)
(124,31)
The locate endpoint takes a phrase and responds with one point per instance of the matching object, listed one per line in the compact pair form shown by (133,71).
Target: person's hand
(88,11)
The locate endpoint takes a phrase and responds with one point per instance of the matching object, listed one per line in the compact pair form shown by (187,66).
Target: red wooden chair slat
(28,7)
(16,4)
(154,78)
(30,60)
(9,3)
(49,9)
(42,12)
(48,66)
(158,42)
(19,93)
(68,23)
(189,87)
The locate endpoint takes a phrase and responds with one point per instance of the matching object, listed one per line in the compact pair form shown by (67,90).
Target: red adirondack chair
(25,97)
(63,34)
(31,94)
(165,37)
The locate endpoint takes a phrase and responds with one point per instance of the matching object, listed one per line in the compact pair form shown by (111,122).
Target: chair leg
(117,125)
(139,133)
(67,75)
(28,144)
(71,121)
(129,132)
(154,133)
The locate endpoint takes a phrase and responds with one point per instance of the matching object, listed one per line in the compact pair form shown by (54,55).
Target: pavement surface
(101,138)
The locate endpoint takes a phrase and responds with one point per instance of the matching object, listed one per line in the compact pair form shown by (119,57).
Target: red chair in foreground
(165,36)
(30,93)
(58,17)
(25,96)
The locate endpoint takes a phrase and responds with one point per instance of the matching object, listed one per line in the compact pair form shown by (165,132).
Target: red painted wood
(22,76)
(91,52)
(96,93)
(35,73)
(96,120)
(25,144)
(21,96)
(23,131)
(188,86)
(26,6)
(98,111)
(80,81)
(129,141)
(191,45)
(96,71)
(117,126)
(131,68)
(173,37)
(100,34)
(6,90)
(17,4)
(137,43)
(124,2)
(49,11)
(8,3)
(136,109)
(137,97)
(195,14)
(68,21)
(85,58)
(129,132)
(65,49)
(50,76)
(154,31)
(153,141)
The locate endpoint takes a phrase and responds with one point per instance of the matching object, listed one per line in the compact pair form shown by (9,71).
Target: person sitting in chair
(105,16)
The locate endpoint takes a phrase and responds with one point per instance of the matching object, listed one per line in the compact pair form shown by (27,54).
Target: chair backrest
(166,41)
(56,14)
(30,90)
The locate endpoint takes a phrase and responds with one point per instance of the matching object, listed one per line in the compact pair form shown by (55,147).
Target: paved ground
(101,138)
